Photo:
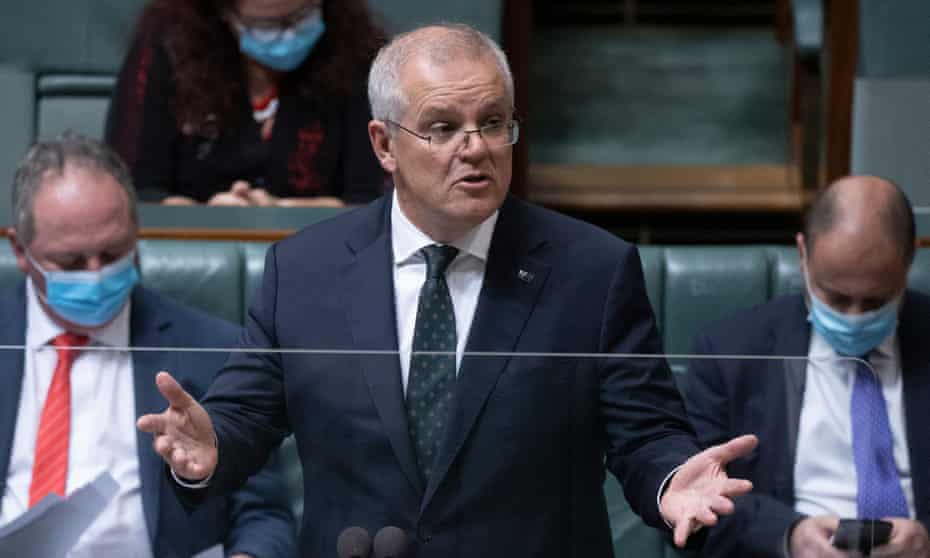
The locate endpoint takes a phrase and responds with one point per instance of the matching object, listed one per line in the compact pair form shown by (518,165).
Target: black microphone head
(353,542)
(390,542)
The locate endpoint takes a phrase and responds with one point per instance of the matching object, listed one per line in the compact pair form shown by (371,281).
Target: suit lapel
(369,300)
(149,327)
(787,391)
(512,282)
(915,370)
(13,334)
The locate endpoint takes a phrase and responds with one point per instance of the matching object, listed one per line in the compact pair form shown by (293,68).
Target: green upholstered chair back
(58,59)
(402,15)
(891,104)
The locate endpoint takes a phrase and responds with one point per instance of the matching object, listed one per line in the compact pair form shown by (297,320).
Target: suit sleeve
(261,523)
(648,433)
(246,401)
(760,521)
(255,519)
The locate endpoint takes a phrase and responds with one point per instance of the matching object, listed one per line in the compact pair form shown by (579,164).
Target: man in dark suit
(68,413)
(816,462)
(490,454)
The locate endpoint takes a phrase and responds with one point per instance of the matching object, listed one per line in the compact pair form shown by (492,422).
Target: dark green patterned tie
(432,376)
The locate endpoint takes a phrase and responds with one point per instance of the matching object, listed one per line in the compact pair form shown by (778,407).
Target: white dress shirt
(825,469)
(103,433)
(464,276)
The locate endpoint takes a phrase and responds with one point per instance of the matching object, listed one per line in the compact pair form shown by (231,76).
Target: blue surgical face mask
(853,335)
(282,50)
(90,298)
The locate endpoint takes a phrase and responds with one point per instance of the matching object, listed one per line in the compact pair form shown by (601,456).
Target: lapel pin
(525,276)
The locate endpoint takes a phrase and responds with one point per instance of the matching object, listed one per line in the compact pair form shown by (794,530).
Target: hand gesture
(701,489)
(810,538)
(237,195)
(184,435)
(318,201)
(909,539)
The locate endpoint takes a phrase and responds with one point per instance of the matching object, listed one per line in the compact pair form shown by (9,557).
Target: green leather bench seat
(687,286)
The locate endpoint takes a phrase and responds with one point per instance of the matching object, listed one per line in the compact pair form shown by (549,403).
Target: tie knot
(438,259)
(69,343)
(865,370)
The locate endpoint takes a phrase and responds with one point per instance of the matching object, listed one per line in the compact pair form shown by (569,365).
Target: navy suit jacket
(255,520)
(522,464)
(730,397)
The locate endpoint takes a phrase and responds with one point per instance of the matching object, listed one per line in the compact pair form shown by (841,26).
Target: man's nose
(473,144)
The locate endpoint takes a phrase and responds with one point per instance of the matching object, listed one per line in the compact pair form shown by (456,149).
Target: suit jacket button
(424,537)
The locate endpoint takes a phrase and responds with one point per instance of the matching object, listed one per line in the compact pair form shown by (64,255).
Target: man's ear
(380,138)
(21,262)
(801,243)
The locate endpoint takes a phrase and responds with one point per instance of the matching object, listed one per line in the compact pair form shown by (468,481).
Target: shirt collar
(41,329)
(407,239)
(820,349)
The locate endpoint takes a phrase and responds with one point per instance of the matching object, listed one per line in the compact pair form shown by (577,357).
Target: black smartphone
(861,534)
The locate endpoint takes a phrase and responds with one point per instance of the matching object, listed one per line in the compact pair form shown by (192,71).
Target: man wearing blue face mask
(842,433)
(69,402)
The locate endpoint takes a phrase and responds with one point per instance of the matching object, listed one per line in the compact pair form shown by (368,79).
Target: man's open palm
(184,435)
(701,490)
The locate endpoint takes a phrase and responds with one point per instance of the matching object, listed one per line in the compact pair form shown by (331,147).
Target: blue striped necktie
(879,493)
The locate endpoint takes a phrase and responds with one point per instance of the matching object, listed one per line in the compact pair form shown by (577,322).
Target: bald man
(817,460)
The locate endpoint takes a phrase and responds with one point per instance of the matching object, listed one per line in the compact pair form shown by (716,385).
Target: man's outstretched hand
(701,490)
(183,433)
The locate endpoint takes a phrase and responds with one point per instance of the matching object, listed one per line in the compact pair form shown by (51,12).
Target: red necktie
(50,469)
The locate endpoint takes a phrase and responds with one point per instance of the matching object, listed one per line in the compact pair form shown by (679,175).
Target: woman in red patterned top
(249,102)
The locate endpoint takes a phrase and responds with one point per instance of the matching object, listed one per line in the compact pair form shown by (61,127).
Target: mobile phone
(861,534)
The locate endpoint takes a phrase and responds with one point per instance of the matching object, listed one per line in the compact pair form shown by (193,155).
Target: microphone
(353,542)
(390,542)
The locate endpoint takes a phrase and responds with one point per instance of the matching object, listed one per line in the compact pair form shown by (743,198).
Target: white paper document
(212,552)
(52,527)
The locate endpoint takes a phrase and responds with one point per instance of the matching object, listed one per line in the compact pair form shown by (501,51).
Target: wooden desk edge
(178,233)
(172,233)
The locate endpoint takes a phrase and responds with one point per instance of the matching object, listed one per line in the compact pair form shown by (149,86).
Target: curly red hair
(204,52)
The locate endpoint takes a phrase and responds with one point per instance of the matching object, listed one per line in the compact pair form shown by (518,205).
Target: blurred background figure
(248,102)
(840,438)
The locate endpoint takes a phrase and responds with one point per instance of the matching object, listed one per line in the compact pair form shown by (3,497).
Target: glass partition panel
(431,453)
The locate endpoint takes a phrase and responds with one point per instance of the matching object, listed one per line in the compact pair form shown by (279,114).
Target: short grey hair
(442,43)
(51,158)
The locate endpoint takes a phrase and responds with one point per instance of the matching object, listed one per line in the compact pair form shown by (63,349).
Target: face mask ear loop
(42,296)
(34,263)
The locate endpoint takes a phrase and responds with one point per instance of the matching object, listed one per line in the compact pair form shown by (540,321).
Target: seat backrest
(67,36)
(631,537)
(76,102)
(403,15)
(708,282)
(17,115)
(58,62)
(254,260)
(891,104)
(207,275)
(784,271)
